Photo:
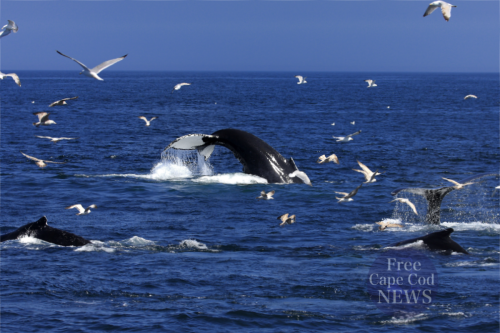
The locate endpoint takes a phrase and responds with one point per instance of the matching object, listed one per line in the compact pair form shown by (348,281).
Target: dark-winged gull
(266,196)
(348,196)
(62,101)
(286,220)
(43,119)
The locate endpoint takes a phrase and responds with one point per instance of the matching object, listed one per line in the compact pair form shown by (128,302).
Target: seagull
(346,138)
(266,196)
(12,75)
(301,79)
(445,9)
(43,119)
(369,175)
(286,220)
(353,122)
(97,69)
(470,96)
(332,158)
(333,124)
(371,83)
(406,201)
(54,140)
(41,163)
(302,175)
(81,210)
(62,101)
(496,188)
(146,120)
(8,28)
(386,224)
(348,196)
(458,185)
(178,86)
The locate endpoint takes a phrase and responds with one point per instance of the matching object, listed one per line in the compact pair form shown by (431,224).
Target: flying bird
(286,220)
(445,9)
(43,119)
(470,96)
(12,75)
(333,124)
(62,101)
(386,224)
(54,140)
(266,196)
(179,85)
(8,28)
(457,186)
(81,210)
(346,138)
(332,158)
(41,163)
(496,188)
(302,175)
(406,201)
(146,120)
(97,69)
(348,196)
(371,83)
(353,122)
(302,80)
(369,175)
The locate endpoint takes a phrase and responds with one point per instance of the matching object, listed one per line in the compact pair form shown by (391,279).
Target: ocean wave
(231,178)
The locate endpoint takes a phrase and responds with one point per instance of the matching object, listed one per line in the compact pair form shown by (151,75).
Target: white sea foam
(405,320)
(95,246)
(137,241)
(418,245)
(459,226)
(192,243)
(475,263)
(231,178)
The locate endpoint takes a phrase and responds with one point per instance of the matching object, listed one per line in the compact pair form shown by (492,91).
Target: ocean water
(183,245)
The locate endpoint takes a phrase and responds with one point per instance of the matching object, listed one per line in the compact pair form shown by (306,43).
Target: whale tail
(435,196)
(203,143)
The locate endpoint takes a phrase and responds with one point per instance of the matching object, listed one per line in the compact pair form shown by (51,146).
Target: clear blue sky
(366,36)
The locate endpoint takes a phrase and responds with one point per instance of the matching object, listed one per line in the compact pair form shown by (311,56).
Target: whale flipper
(438,241)
(435,196)
(257,157)
(41,230)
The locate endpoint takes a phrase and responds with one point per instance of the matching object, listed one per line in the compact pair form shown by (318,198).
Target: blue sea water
(178,247)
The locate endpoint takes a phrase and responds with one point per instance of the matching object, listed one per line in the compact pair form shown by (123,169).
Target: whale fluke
(435,196)
(438,241)
(41,230)
(257,157)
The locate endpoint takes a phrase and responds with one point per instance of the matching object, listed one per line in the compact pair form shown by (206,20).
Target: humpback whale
(435,196)
(438,241)
(41,230)
(257,157)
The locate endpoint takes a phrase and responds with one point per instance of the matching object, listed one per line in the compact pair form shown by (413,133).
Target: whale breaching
(435,196)
(257,157)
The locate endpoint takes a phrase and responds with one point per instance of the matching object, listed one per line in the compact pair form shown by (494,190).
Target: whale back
(41,230)
(438,241)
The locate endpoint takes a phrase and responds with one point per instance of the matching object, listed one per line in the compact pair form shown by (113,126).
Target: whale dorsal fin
(292,163)
(42,222)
